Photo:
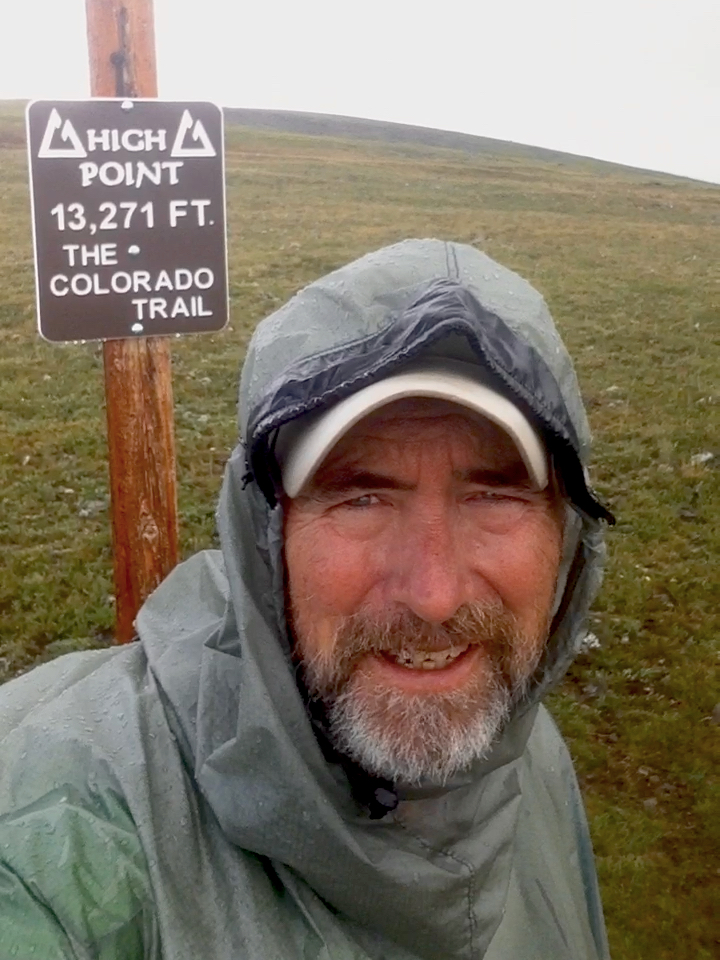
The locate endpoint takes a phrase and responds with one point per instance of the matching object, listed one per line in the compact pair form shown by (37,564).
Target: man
(328,742)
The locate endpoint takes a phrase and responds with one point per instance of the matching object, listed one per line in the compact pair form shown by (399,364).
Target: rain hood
(189,760)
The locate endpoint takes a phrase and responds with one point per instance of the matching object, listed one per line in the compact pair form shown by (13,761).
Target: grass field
(630,265)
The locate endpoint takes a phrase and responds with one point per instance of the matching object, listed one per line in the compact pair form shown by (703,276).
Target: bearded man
(328,741)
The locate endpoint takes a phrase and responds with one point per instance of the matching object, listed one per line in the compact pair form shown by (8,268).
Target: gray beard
(372,728)
(416,738)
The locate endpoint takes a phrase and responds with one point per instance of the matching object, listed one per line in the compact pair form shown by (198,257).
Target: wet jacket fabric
(171,798)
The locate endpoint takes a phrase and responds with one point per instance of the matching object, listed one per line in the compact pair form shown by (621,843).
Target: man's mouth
(426,659)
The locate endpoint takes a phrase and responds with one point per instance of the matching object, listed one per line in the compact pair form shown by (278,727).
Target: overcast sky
(635,81)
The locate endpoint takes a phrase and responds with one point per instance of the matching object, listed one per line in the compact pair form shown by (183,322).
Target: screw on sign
(128,218)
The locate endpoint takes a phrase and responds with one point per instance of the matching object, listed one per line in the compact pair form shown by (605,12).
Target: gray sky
(635,81)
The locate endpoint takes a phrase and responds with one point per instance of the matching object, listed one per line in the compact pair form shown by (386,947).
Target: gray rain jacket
(171,798)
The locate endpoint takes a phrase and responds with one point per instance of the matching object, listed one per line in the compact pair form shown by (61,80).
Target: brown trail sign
(129,230)
(129,218)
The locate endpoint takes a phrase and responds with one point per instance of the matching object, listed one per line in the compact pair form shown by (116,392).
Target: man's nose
(433,578)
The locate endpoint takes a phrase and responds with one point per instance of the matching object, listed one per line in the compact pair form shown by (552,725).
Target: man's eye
(495,496)
(366,500)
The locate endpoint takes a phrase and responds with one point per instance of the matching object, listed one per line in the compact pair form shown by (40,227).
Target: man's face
(421,571)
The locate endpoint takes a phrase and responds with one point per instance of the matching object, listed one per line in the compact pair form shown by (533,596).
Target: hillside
(354,128)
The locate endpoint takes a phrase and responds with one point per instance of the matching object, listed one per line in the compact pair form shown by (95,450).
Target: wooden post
(138,382)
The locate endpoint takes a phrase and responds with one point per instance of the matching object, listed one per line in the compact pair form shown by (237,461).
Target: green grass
(629,264)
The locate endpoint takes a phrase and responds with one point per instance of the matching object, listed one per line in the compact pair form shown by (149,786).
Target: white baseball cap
(303,444)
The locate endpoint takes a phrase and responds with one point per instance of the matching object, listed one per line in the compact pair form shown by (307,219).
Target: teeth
(428,659)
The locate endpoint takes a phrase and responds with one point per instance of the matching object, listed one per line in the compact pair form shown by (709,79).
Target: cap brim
(301,451)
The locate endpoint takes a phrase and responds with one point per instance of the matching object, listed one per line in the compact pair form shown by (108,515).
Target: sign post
(129,230)
(138,378)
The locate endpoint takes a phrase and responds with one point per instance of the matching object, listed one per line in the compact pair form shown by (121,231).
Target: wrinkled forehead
(431,425)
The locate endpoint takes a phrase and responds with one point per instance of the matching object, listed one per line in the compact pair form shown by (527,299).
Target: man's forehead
(399,405)
(427,421)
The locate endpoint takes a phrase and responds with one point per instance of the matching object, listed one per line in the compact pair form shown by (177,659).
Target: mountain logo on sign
(197,133)
(68,135)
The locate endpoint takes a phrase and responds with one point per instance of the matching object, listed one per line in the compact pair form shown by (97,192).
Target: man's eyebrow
(348,479)
(514,475)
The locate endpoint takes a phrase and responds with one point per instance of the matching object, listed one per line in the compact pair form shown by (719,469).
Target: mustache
(489,626)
